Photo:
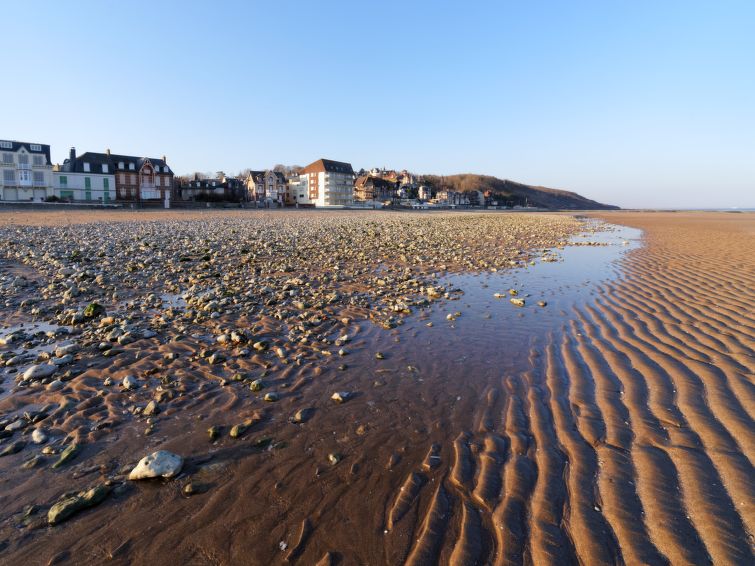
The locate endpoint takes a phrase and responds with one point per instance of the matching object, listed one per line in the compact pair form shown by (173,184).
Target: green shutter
(87,183)
(63,181)
(106,184)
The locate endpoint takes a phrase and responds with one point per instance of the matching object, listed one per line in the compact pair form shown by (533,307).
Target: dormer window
(105,168)
(121,165)
(35,147)
(86,167)
(6,145)
(130,166)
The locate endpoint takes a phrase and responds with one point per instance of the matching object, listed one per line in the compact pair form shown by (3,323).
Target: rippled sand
(616,430)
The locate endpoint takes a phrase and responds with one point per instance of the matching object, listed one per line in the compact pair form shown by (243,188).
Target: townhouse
(87,178)
(26,171)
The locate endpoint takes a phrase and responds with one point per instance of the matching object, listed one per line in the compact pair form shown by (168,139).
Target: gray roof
(97,160)
(16,145)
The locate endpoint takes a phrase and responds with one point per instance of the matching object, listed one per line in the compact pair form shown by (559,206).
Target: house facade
(266,188)
(87,178)
(26,171)
(329,183)
(367,188)
(139,179)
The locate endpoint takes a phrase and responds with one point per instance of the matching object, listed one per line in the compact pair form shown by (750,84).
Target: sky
(639,104)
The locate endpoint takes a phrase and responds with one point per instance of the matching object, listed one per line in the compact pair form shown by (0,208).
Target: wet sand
(613,425)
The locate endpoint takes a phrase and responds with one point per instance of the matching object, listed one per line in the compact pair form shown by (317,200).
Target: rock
(334,458)
(94,310)
(39,371)
(158,464)
(18,424)
(65,349)
(55,385)
(302,415)
(67,455)
(71,505)
(379,356)
(257,385)
(517,302)
(152,408)
(237,431)
(67,359)
(213,432)
(542,303)
(38,436)
(129,382)
(340,396)
(13,448)
(260,346)
(271,397)
(216,358)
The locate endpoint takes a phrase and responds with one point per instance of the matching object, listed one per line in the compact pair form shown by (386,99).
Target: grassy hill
(516,193)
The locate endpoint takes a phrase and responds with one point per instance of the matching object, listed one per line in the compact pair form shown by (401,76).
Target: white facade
(296,191)
(332,189)
(25,172)
(93,187)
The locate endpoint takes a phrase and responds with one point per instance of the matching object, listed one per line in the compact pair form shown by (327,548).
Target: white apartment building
(329,183)
(26,171)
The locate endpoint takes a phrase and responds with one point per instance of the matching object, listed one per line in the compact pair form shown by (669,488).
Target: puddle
(491,333)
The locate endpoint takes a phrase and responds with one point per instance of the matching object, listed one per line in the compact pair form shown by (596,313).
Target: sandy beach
(514,388)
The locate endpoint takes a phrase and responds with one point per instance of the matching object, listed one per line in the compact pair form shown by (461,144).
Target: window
(35,147)
(88,183)
(63,181)
(121,165)
(130,166)
(37,160)
(6,145)
(23,159)
(86,167)
(105,168)
(9,177)
(39,179)
(106,184)
(7,158)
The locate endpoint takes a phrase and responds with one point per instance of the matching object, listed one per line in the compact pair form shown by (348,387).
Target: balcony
(24,166)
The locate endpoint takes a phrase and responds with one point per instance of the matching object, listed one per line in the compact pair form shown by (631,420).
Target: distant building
(329,183)
(368,187)
(424,192)
(266,188)
(26,171)
(137,179)
(228,189)
(88,179)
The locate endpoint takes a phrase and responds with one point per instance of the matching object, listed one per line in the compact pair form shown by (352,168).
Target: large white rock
(160,464)
(40,371)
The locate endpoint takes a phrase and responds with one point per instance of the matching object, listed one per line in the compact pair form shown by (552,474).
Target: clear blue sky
(641,104)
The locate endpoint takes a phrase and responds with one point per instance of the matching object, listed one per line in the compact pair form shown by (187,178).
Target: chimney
(107,151)
(165,160)
(72,154)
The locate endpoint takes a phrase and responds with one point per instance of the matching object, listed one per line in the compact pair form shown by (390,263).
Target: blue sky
(641,104)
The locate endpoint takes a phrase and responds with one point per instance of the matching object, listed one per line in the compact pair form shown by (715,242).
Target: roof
(112,161)
(372,181)
(17,145)
(329,166)
(259,176)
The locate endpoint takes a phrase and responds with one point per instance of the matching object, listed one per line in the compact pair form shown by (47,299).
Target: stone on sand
(159,464)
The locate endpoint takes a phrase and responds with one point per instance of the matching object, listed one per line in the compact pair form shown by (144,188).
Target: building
(87,178)
(368,188)
(26,171)
(329,183)
(137,179)
(296,191)
(266,188)
(424,192)
(228,189)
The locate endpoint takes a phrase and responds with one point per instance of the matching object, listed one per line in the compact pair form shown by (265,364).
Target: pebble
(157,464)
(68,506)
(129,382)
(340,396)
(39,371)
(38,436)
